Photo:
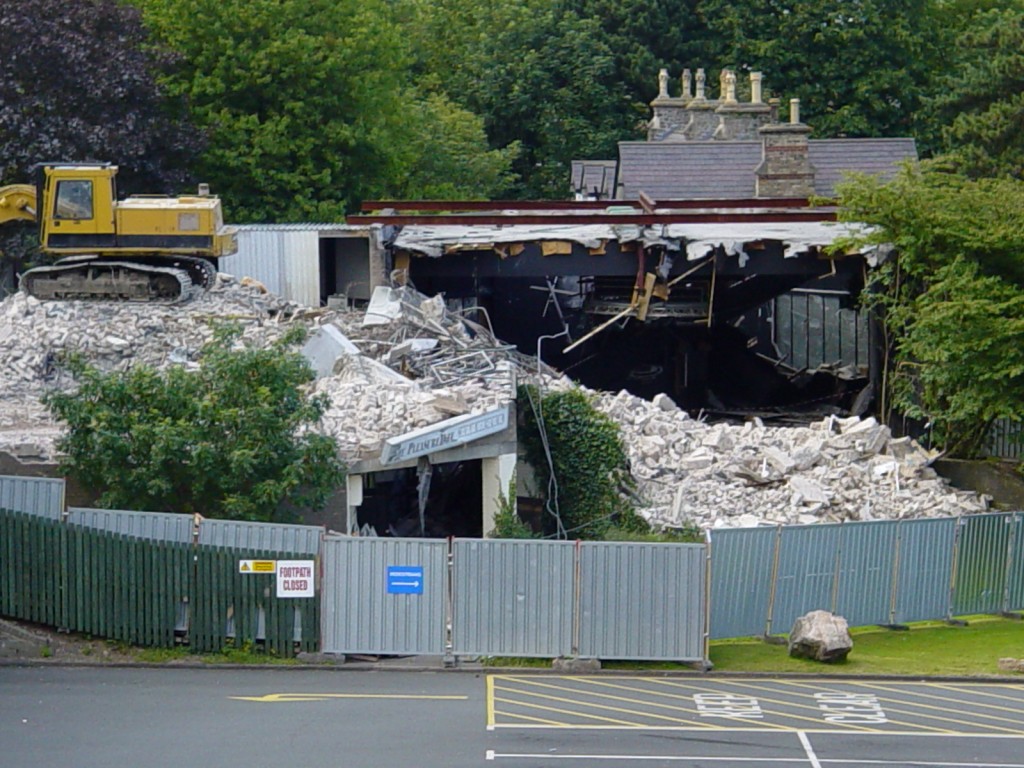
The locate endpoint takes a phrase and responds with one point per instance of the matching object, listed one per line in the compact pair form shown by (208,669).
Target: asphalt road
(90,716)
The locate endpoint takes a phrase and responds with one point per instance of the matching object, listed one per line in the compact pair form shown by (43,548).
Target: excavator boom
(17,202)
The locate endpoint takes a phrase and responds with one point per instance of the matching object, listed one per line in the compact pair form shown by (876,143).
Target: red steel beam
(694,217)
(451,206)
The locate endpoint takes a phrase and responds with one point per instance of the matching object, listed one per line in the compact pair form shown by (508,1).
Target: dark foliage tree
(77,83)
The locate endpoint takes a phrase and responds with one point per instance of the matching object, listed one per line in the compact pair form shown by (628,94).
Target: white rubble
(414,364)
(724,476)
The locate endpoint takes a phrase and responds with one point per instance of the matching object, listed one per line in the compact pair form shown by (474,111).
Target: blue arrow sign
(405,579)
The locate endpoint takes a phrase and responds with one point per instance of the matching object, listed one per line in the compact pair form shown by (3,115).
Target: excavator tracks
(153,279)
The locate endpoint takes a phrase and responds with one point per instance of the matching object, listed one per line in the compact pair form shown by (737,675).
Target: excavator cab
(76,214)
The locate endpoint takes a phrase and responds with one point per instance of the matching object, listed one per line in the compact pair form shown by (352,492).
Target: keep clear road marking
(917,711)
(829,687)
(287,698)
(817,720)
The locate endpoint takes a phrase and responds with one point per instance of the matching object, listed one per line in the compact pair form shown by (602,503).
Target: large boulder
(822,636)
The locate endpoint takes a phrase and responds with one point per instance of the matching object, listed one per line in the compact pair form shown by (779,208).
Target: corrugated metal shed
(285,257)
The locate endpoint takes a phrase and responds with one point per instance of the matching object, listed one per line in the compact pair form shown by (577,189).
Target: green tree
(579,456)
(539,75)
(301,99)
(445,155)
(229,440)
(859,67)
(952,297)
(977,113)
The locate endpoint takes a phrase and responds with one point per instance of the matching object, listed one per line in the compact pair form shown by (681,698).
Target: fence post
(894,584)
(707,598)
(956,566)
(1011,540)
(577,578)
(775,579)
(449,605)
(838,567)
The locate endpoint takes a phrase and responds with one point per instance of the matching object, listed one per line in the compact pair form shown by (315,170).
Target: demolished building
(422,408)
(698,265)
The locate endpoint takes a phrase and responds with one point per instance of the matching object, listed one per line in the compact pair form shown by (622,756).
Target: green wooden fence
(148,593)
(243,607)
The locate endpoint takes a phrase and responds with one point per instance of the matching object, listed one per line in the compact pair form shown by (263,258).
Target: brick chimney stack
(785,169)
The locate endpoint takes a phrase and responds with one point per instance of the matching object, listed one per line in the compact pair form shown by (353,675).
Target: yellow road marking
(490,702)
(291,697)
(594,694)
(566,712)
(588,705)
(984,691)
(519,716)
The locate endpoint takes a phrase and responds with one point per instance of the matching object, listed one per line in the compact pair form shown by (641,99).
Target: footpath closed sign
(295,578)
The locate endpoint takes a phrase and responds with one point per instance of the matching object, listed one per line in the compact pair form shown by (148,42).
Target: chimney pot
(755,87)
(794,111)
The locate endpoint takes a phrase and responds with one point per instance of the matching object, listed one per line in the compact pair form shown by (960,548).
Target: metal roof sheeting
(697,239)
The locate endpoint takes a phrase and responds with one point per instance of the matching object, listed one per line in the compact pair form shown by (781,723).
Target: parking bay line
(494,756)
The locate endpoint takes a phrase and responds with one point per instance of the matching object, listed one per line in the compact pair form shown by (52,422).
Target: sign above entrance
(443,435)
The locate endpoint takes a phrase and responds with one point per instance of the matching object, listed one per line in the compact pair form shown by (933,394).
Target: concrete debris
(409,362)
(736,476)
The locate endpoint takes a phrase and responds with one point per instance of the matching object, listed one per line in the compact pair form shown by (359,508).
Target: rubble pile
(722,475)
(409,361)
(35,335)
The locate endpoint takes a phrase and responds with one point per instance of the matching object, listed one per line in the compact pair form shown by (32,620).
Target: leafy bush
(228,440)
(578,454)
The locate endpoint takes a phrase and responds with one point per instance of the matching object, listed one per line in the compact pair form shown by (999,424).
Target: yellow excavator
(142,248)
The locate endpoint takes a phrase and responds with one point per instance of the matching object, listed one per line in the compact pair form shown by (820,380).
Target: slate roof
(594,178)
(725,170)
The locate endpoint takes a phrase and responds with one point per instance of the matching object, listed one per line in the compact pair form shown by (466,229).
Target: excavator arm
(17,203)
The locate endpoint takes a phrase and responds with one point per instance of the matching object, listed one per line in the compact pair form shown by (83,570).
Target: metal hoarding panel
(1015,581)
(274,537)
(37,496)
(981,564)
(805,578)
(153,526)
(925,568)
(741,580)
(512,598)
(867,559)
(642,601)
(361,611)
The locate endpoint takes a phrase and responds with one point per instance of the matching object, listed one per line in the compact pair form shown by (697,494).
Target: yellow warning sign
(257,566)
